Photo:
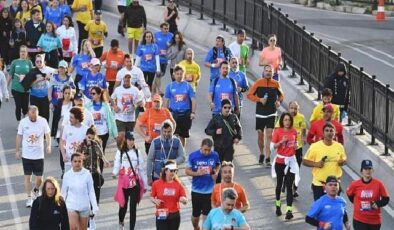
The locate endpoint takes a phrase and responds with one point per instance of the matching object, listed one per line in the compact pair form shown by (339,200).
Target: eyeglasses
(226,107)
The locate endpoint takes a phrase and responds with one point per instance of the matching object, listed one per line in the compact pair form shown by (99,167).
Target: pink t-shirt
(274,57)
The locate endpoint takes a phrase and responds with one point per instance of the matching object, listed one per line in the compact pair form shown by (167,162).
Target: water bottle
(265,95)
(92,224)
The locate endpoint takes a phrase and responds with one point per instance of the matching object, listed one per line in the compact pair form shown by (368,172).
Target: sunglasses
(226,107)
(173,170)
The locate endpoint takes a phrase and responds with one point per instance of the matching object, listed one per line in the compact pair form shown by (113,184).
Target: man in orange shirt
(149,123)
(114,59)
(227,171)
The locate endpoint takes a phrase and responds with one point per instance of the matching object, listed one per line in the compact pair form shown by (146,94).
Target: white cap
(171,166)
(63,64)
(95,61)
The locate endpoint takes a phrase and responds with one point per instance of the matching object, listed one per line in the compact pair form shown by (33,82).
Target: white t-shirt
(100,120)
(137,76)
(68,39)
(73,137)
(126,100)
(235,49)
(88,118)
(33,137)
(65,110)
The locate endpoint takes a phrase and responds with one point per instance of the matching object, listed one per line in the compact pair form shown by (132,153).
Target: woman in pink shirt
(272,55)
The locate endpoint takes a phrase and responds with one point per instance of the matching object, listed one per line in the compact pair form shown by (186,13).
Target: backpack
(215,81)
(225,52)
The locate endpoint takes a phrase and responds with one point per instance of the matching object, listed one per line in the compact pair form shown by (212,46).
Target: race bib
(156,128)
(224,96)
(365,205)
(219,60)
(113,64)
(169,192)
(162,213)
(179,97)
(84,65)
(96,42)
(163,52)
(148,57)
(189,77)
(59,95)
(206,169)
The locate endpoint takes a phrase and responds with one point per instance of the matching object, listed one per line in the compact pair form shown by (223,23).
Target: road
(255,178)
(359,38)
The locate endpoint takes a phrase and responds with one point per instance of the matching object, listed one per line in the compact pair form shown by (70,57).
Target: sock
(277,203)
(289,209)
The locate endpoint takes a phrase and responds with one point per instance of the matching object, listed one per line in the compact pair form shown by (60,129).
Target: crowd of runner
(91,94)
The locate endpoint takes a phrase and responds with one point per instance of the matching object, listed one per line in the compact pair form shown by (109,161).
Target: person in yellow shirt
(34,4)
(317,113)
(97,31)
(192,69)
(24,14)
(83,14)
(325,157)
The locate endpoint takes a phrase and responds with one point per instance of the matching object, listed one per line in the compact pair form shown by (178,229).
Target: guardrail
(372,102)
(386,2)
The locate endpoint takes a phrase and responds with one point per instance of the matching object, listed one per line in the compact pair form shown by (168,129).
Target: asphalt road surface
(255,178)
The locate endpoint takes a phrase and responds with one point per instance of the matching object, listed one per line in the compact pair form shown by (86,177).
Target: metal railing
(374,2)
(372,102)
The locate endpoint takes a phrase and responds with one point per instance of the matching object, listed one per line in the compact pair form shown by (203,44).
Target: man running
(218,54)
(240,50)
(192,69)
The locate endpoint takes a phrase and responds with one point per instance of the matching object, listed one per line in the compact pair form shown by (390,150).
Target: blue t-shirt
(65,9)
(81,63)
(220,58)
(40,89)
(223,90)
(179,96)
(88,81)
(203,184)
(240,79)
(57,86)
(148,53)
(217,219)
(48,43)
(54,15)
(330,210)
(162,40)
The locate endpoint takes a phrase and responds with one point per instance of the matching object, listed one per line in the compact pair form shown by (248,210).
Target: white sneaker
(34,194)
(121,226)
(29,202)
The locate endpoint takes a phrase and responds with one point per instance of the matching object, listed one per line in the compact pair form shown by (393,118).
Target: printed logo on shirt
(97,118)
(33,139)
(148,57)
(169,192)
(327,206)
(179,97)
(224,96)
(366,194)
(126,101)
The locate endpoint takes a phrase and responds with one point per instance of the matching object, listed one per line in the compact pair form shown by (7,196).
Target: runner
(268,95)
(192,69)
(272,55)
(68,38)
(176,52)
(79,102)
(164,148)
(369,196)
(34,29)
(227,174)
(216,56)
(132,184)
(124,101)
(163,40)
(93,78)
(171,16)
(78,192)
(113,58)
(56,84)
(317,112)
(240,50)
(285,168)
(240,78)
(147,58)
(150,122)
(329,211)
(315,132)
(221,88)
(203,165)
(180,99)
(325,157)
(134,18)
(4,95)
(226,217)
(122,4)
(49,211)
(6,24)
(97,32)
(53,13)
(83,10)
(80,62)
(30,136)
(166,194)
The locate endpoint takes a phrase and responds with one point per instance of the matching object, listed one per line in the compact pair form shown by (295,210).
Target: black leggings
(104,140)
(83,34)
(42,104)
(225,154)
(288,179)
(171,223)
(132,194)
(97,185)
(357,225)
(149,77)
(21,103)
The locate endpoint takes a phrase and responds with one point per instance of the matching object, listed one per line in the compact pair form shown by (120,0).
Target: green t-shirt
(19,67)
(244,56)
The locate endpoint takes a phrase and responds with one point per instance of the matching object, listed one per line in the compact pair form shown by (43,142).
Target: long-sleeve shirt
(68,39)
(231,129)
(135,16)
(122,164)
(3,87)
(47,215)
(78,190)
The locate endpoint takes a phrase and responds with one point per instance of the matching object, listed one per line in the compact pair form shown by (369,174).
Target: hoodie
(339,86)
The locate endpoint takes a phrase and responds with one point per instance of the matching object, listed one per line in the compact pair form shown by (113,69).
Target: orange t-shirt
(153,119)
(169,193)
(274,57)
(114,62)
(217,195)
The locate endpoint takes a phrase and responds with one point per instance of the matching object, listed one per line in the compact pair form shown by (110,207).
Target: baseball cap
(63,64)
(156,97)
(241,31)
(95,61)
(98,12)
(78,96)
(328,106)
(331,179)
(129,135)
(366,164)
(171,166)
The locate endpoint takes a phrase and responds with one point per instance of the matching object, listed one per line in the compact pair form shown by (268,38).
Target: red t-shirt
(287,148)
(364,194)
(315,133)
(169,193)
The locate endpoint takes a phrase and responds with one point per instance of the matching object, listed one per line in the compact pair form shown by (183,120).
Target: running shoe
(29,202)
(278,211)
(261,159)
(35,193)
(121,226)
(268,162)
(295,194)
(289,215)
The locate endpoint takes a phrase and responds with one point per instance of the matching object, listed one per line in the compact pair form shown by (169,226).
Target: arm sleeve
(210,130)
(311,221)
(384,200)
(117,163)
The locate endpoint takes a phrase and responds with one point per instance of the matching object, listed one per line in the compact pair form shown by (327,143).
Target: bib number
(148,57)
(365,206)
(162,213)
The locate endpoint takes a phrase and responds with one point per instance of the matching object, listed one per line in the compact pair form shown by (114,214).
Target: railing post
(292,75)
(190,8)
(373,110)
(213,13)
(349,121)
(319,70)
(201,10)
(302,58)
(163,3)
(254,41)
(225,15)
(361,96)
(386,128)
(284,67)
(310,63)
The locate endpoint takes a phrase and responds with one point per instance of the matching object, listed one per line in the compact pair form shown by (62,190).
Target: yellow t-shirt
(334,152)
(24,17)
(299,124)
(317,113)
(192,72)
(82,16)
(96,33)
